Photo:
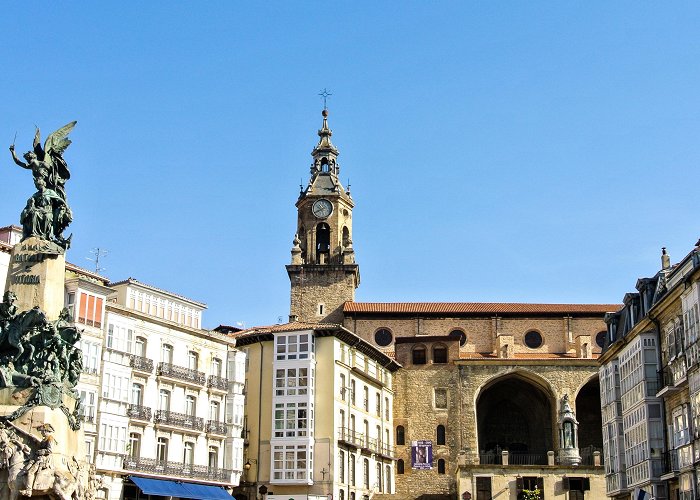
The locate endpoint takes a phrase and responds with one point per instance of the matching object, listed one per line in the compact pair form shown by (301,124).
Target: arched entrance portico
(514,414)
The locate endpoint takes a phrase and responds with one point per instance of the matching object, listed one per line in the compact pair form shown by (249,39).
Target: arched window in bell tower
(324,165)
(323,243)
(302,242)
(346,236)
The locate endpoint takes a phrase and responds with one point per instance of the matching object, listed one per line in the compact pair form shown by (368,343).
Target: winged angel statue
(47,213)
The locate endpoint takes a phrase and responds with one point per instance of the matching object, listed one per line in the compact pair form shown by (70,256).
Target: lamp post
(246,467)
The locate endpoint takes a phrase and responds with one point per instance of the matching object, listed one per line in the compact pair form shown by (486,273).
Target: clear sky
(497,151)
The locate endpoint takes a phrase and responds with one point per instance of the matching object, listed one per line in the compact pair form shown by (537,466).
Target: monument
(41,443)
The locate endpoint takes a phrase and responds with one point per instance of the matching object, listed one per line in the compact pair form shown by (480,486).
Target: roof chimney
(665,259)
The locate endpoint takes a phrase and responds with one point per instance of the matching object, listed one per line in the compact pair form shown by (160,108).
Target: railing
(138,412)
(178,469)
(217,382)
(670,462)
(490,458)
(351,437)
(179,420)
(216,427)
(90,417)
(386,450)
(181,373)
(89,371)
(587,455)
(141,364)
(515,458)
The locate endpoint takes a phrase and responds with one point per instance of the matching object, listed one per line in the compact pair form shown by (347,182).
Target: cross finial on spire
(325,94)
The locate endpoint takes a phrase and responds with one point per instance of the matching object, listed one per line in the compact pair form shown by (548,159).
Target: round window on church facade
(459,334)
(383,337)
(600,339)
(533,339)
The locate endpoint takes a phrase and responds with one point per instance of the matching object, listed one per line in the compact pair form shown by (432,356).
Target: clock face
(322,208)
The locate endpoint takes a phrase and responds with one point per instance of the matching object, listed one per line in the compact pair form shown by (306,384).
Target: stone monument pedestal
(37,276)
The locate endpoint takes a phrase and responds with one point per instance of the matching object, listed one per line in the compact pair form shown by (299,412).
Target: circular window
(533,339)
(459,334)
(383,337)
(600,339)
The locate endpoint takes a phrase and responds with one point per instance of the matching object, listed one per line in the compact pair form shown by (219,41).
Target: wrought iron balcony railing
(181,373)
(351,437)
(138,412)
(216,427)
(179,420)
(216,382)
(176,469)
(141,364)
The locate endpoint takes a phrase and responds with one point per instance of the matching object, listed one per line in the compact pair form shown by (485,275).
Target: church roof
(475,308)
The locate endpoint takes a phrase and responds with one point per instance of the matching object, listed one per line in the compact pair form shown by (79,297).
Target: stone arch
(587,408)
(515,412)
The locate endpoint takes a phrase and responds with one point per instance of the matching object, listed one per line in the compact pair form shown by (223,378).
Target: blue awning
(165,488)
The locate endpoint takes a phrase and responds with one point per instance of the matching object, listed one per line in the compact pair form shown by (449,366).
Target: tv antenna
(97,253)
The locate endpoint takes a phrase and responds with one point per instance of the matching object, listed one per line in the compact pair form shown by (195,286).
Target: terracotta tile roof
(285,327)
(523,355)
(475,308)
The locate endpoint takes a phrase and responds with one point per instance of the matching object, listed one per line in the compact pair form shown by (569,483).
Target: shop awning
(179,489)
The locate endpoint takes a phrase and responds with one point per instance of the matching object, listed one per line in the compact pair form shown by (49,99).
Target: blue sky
(497,151)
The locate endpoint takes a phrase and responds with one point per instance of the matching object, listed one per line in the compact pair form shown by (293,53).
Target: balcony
(216,382)
(670,468)
(385,450)
(138,412)
(586,454)
(514,458)
(216,427)
(349,437)
(141,364)
(181,420)
(176,469)
(181,373)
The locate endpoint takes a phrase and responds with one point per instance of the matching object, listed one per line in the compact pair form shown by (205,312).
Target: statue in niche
(47,213)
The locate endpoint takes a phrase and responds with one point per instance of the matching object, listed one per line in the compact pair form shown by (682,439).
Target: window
(90,310)
(291,462)
(119,338)
(440,434)
(192,360)
(166,353)
(89,448)
(88,399)
(600,339)
(214,411)
(341,466)
(291,381)
(365,400)
(352,392)
(418,355)
(115,386)
(91,355)
(342,386)
(134,445)
(441,399)
(379,482)
(365,473)
(296,346)
(439,354)
(162,449)
(140,347)
(441,466)
(351,467)
(216,367)
(400,435)
(533,339)
(190,405)
(112,437)
(188,453)
(530,483)
(459,334)
(399,466)
(291,419)
(164,400)
(136,394)
(213,461)
(383,337)
(379,404)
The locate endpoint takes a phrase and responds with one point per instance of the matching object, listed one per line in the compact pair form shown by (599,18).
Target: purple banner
(422,454)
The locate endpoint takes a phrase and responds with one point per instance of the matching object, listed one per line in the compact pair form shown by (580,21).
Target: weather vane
(325,94)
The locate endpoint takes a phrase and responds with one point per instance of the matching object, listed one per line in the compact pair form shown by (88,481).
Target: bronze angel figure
(47,213)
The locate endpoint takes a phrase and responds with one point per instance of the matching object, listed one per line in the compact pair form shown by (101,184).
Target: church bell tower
(323,272)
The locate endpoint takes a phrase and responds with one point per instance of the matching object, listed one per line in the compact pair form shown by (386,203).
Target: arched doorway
(514,414)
